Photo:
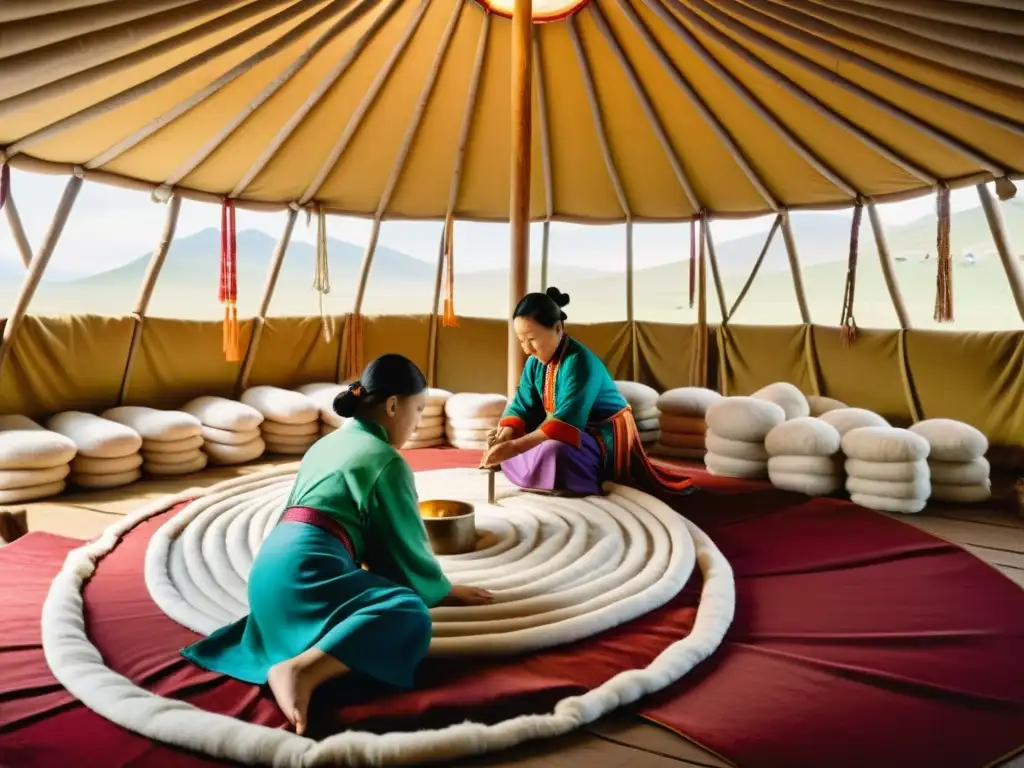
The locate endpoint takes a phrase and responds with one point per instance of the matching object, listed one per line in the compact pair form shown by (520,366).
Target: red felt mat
(858,640)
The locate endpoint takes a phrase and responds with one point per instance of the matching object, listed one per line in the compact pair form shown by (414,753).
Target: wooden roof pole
(545,157)
(755,270)
(888,272)
(794,268)
(454,187)
(38,266)
(156,263)
(17,230)
(994,215)
(519,187)
(273,272)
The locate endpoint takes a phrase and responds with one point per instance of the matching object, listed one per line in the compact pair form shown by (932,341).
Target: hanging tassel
(353,347)
(448,318)
(693,258)
(5,182)
(847,323)
(228,294)
(321,275)
(944,278)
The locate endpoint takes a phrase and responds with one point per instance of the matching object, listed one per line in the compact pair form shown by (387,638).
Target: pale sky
(110,226)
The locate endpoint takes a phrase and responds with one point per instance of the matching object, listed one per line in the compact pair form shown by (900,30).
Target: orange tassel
(228,292)
(448,318)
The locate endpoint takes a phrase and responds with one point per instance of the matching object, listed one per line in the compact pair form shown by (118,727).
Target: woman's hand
(464,595)
(499,435)
(498,453)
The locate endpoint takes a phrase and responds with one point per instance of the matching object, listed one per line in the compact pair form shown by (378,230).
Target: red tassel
(228,291)
(5,183)
(693,259)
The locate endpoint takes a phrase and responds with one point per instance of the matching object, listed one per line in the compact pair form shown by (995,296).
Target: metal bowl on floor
(450,524)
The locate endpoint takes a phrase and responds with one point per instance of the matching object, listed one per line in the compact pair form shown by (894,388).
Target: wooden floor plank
(575,750)
(963,532)
(973,514)
(629,730)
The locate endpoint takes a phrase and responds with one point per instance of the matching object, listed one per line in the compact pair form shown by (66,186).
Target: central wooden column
(519,197)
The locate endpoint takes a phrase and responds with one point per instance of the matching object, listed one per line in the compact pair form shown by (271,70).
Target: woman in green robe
(314,612)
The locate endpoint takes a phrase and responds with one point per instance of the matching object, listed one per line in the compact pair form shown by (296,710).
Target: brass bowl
(451,526)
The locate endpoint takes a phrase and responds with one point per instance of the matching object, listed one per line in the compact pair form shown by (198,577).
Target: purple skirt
(558,466)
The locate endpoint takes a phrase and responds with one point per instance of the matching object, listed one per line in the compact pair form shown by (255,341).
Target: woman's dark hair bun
(561,299)
(389,375)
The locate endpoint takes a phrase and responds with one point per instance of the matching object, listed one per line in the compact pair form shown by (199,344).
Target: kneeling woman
(568,428)
(314,612)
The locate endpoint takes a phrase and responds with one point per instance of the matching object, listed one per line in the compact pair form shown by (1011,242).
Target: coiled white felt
(562,569)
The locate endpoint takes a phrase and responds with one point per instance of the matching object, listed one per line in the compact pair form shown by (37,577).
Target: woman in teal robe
(314,612)
(568,428)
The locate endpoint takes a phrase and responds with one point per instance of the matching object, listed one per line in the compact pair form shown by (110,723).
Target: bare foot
(292,691)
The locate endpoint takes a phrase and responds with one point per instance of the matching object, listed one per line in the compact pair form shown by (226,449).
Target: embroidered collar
(551,374)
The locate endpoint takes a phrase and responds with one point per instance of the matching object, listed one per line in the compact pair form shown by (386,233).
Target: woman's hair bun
(561,299)
(347,402)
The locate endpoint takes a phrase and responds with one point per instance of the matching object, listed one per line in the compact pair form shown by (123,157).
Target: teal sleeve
(402,547)
(525,403)
(576,391)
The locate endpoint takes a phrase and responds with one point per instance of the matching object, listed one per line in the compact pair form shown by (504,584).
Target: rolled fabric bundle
(108,451)
(231,430)
(681,423)
(470,416)
(960,473)
(804,457)
(737,429)
(786,396)
(887,469)
(34,461)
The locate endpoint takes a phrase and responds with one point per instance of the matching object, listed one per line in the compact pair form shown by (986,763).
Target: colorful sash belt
(320,520)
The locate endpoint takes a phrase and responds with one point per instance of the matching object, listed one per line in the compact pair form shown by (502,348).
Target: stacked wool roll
(643,400)
(34,462)
(737,428)
(959,470)
(231,430)
(803,456)
(108,452)
(323,394)
(430,429)
(291,420)
(172,441)
(845,419)
(820,405)
(681,425)
(887,469)
(786,396)
(470,416)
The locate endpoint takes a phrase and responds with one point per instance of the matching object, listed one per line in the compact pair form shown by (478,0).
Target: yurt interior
(790,229)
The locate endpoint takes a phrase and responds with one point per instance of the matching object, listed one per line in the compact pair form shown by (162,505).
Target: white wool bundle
(744,450)
(428,433)
(412,445)
(432,411)
(13,479)
(173,446)
(304,441)
(825,466)
(430,421)
(647,425)
(728,466)
(327,429)
(688,401)
(277,429)
(221,413)
(436,399)
(482,424)
(152,424)
(223,455)
(884,444)
(323,394)
(807,484)
(282,405)
(803,436)
(918,488)
(95,436)
(471,405)
(671,452)
(888,471)
(748,419)
(26,445)
(467,445)
(640,397)
(105,480)
(677,440)
(845,419)
(651,436)
(225,437)
(32,492)
(960,472)
(161,469)
(951,440)
(820,405)
(167,459)
(786,396)
(467,435)
(88,465)
(285,449)
(887,504)
(682,425)
(651,414)
(968,493)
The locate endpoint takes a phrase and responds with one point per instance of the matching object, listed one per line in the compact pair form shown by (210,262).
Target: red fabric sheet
(858,640)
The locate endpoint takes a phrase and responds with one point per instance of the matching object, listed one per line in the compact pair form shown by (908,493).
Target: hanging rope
(847,322)
(693,257)
(228,294)
(5,182)
(321,275)
(448,318)
(944,277)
